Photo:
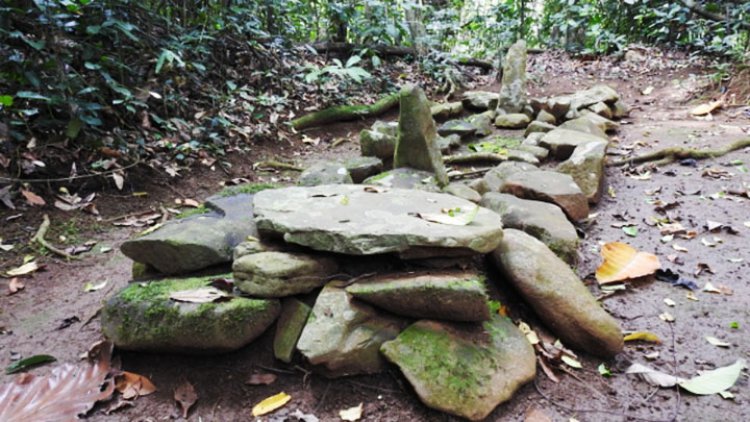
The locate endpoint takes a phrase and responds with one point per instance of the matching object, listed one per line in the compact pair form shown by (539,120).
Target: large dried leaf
(69,391)
(654,377)
(716,381)
(132,385)
(623,262)
(706,108)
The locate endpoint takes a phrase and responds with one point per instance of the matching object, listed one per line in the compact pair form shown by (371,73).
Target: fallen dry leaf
(15,285)
(270,404)
(716,342)
(185,396)
(643,336)
(351,414)
(68,391)
(32,198)
(623,262)
(132,385)
(200,295)
(24,269)
(654,377)
(535,415)
(706,108)
(261,379)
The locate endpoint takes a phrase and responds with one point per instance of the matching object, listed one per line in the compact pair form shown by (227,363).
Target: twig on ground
(672,154)
(475,157)
(39,238)
(277,165)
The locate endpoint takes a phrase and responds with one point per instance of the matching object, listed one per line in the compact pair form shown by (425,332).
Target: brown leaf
(186,397)
(15,286)
(623,262)
(706,108)
(261,379)
(68,391)
(32,198)
(132,385)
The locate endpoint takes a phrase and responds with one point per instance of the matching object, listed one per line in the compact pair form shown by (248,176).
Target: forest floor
(54,315)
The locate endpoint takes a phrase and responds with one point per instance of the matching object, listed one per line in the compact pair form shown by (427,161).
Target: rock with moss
(197,242)
(461,190)
(532,139)
(479,100)
(291,322)
(343,336)
(405,178)
(447,143)
(245,188)
(450,295)
(586,167)
(603,123)
(512,98)
(279,274)
(367,220)
(360,168)
(620,109)
(143,317)
(493,180)
(538,152)
(457,127)
(542,220)
(562,142)
(482,122)
(250,246)
(379,141)
(463,369)
(446,110)
(545,116)
(512,121)
(596,94)
(517,154)
(416,144)
(549,186)
(557,295)
(537,126)
(325,173)
(556,106)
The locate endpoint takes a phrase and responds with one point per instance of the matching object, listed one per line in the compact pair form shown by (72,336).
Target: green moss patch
(248,188)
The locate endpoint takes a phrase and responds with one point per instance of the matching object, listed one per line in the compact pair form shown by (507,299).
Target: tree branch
(669,155)
(692,5)
(346,113)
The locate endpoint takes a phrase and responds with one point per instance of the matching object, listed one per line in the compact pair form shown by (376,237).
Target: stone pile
(361,268)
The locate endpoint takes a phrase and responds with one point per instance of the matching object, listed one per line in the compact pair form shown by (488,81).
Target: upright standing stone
(513,89)
(416,146)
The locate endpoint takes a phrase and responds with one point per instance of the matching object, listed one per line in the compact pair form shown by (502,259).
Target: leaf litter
(185,396)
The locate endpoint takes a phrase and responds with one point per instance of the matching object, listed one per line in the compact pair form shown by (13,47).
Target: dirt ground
(33,320)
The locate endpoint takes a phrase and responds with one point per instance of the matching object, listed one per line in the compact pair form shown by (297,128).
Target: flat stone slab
(557,295)
(405,178)
(549,186)
(480,100)
(197,242)
(325,173)
(279,274)
(562,142)
(367,220)
(453,295)
(463,369)
(344,336)
(457,127)
(512,121)
(143,317)
(542,220)
(289,327)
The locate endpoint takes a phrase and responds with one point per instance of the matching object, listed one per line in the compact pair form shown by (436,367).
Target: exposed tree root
(278,165)
(670,155)
(39,238)
(479,157)
(346,113)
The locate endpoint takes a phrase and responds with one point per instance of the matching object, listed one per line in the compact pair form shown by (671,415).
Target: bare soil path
(54,315)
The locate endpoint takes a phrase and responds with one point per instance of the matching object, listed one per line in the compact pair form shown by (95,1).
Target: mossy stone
(289,327)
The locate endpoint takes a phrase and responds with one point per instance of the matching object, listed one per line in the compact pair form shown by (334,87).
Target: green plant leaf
(6,100)
(353,60)
(32,96)
(27,363)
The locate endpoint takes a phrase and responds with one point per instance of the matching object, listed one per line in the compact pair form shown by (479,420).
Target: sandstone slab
(512,97)
(562,142)
(405,178)
(279,274)
(549,186)
(325,173)
(586,167)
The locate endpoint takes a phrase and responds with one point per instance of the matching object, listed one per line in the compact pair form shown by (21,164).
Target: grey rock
(601,109)
(142,317)
(377,144)
(585,125)
(545,116)
(620,109)
(603,123)
(289,327)
(494,180)
(596,94)
(549,186)
(462,191)
(463,369)
(279,274)
(557,295)
(518,154)
(360,168)
(532,139)
(248,247)
(365,220)
(325,173)
(512,121)
(457,127)
(446,110)
(483,122)
(586,167)
(562,142)
(537,126)
(479,100)
(556,106)
(542,220)
(512,98)
(416,145)
(344,336)
(405,178)
(197,242)
(453,295)
(538,152)
(446,143)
